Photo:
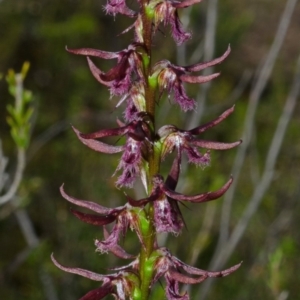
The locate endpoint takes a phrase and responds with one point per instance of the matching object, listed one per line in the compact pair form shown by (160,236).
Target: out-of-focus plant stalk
(146,269)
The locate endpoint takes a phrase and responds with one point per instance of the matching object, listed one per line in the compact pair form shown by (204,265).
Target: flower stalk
(141,85)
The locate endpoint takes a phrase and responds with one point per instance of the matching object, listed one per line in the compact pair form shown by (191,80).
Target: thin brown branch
(3,164)
(17,177)
(268,173)
(32,241)
(209,50)
(255,96)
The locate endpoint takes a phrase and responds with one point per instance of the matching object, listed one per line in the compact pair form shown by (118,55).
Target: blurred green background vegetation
(66,93)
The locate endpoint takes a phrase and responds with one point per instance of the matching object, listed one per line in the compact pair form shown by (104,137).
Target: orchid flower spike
(137,135)
(144,145)
(124,217)
(175,271)
(171,78)
(117,79)
(185,141)
(121,285)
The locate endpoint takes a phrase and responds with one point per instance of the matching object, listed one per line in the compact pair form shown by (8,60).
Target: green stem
(146,265)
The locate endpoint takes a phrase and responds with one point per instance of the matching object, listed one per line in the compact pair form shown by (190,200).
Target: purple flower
(121,284)
(124,217)
(135,101)
(171,78)
(185,140)
(175,271)
(114,7)
(118,79)
(167,216)
(166,12)
(137,136)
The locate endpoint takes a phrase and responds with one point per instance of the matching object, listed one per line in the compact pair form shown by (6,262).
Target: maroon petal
(98,146)
(89,204)
(128,176)
(117,250)
(131,111)
(172,290)
(118,72)
(196,271)
(181,98)
(114,7)
(111,241)
(94,219)
(217,194)
(167,217)
(201,66)
(200,197)
(185,279)
(178,33)
(99,293)
(137,203)
(94,52)
(202,160)
(105,133)
(202,128)
(171,182)
(181,197)
(172,179)
(215,145)
(198,79)
(130,163)
(120,87)
(97,73)
(81,272)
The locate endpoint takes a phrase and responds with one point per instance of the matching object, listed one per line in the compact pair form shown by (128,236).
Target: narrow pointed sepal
(174,173)
(204,127)
(175,272)
(215,145)
(99,293)
(219,193)
(98,146)
(172,138)
(199,79)
(185,278)
(89,204)
(205,197)
(93,219)
(202,66)
(79,271)
(97,73)
(172,77)
(94,52)
(210,274)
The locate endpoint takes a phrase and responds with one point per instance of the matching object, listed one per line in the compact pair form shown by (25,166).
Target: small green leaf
(12,90)
(27,96)
(137,294)
(25,68)
(10,121)
(150,12)
(152,81)
(10,78)
(28,114)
